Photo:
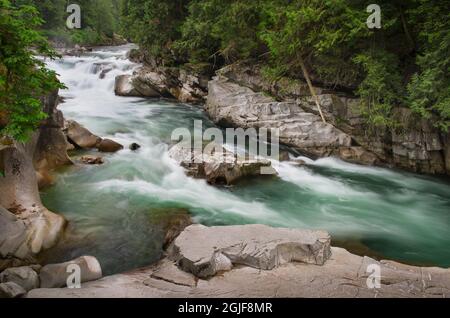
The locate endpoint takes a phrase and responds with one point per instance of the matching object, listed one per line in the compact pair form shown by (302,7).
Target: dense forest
(404,63)
(99,20)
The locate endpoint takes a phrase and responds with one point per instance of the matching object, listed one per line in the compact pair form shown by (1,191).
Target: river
(112,208)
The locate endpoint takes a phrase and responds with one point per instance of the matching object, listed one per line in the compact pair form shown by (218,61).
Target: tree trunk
(311,88)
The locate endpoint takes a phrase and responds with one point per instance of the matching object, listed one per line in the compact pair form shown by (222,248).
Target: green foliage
(409,51)
(429,89)
(23,77)
(99,19)
(405,63)
(228,28)
(154,24)
(381,88)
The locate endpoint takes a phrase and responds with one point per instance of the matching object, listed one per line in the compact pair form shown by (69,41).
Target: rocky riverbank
(234,261)
(27,227)
(260,261)
(416,145)
(240,96)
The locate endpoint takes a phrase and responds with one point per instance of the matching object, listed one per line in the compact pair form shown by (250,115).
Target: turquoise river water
(112,208)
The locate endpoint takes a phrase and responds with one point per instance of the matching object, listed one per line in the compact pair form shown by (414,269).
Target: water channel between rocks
(114,210)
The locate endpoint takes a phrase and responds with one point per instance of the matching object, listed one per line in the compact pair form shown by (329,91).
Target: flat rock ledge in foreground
(255,245)
(263,262)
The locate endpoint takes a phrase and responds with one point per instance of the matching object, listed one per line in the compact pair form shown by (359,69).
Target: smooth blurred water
(111,207)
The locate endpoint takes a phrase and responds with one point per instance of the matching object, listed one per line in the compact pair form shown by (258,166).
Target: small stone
(134,146)
(92,160)
(23,276)
(56,275)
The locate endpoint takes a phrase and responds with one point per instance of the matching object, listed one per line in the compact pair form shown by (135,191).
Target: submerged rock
(44,179)
(76,51)
(81,136)
(219,165)
(23,276)
(172,221)
(92,160)
(56,275)
(102,69)
(204,251)
(298,162)
(108,145)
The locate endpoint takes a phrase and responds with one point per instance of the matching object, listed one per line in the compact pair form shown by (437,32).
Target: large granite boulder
(418,146)
(230,104)
(338,273)
(27,227)
(145,81)
(108,145)
(219,165)
(204,251)
(56,275)
(13,238)
(80,136)
(158,81)
(124,87)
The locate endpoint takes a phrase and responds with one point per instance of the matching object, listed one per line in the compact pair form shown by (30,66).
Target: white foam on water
(334,201)
(306,179)
(177,187)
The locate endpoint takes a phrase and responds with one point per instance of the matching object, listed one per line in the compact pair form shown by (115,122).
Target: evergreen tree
(23,77)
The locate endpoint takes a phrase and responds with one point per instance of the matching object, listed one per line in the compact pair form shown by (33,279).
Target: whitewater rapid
(395,214)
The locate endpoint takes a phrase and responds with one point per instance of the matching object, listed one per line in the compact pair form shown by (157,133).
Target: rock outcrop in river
(418,146)
(218,165)
(177,83)
(261,261)
(230,104)
(26,226)
(241,96)
(81,137)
